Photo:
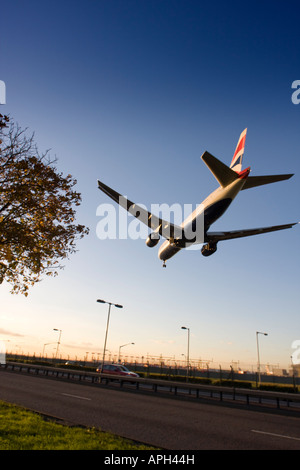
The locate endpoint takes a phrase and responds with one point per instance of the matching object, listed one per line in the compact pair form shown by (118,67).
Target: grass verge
(21,429)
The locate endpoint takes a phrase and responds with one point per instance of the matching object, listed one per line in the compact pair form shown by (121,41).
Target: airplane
(232,180)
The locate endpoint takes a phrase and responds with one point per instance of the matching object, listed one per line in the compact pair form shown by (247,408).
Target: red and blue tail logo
(236,163)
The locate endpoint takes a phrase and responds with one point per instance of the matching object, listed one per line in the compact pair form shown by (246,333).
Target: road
(167,423)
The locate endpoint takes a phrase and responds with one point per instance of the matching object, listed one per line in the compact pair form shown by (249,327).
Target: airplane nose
(161,254)
(167,250)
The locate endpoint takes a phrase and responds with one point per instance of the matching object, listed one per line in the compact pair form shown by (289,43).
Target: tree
(37,211)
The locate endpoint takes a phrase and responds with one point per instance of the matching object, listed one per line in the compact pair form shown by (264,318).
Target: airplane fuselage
(210,210)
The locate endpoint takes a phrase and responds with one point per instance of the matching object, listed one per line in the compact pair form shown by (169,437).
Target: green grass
(21,429)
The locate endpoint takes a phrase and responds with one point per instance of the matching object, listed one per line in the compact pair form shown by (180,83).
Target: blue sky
(132,93)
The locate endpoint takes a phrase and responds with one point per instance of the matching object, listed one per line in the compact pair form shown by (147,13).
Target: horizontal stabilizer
(221,172)
(219,236)
(253,181)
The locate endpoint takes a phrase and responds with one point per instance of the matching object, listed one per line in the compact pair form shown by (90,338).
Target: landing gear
(164,264)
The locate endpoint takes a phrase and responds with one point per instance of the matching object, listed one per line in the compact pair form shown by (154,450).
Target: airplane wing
(219,236)
(158,225)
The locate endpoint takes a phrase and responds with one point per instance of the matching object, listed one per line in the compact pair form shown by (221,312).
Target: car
(73,363)
(116,369)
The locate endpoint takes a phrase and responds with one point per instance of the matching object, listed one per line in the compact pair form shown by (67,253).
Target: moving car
(116,369)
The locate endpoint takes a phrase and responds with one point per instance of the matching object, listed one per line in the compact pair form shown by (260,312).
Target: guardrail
(248,397)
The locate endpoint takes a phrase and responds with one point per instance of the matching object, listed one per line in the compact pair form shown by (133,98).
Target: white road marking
(76,396)
(276,435)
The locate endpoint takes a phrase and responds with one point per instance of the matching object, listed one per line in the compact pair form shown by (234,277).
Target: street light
(122,346)
(188,352)
(258,359)
(46,344)
(58,342)
(107,324)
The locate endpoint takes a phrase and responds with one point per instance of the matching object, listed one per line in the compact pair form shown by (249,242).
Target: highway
(167,423)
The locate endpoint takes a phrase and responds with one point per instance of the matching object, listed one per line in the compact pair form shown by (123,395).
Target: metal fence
(279,400)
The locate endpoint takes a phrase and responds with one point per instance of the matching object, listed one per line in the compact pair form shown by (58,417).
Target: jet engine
(152,240)
(209,249)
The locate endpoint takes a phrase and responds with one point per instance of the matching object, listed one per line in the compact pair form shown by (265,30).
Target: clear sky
(133,92)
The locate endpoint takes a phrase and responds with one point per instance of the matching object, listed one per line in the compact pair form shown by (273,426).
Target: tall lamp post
(188,352)
(122,346)
(46,344)
(258,359)
(58,342)
(107,325)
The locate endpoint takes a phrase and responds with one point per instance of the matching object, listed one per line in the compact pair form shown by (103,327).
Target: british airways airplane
(232,180)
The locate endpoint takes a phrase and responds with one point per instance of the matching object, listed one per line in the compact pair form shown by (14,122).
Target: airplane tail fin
(236,163)
(226,175)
